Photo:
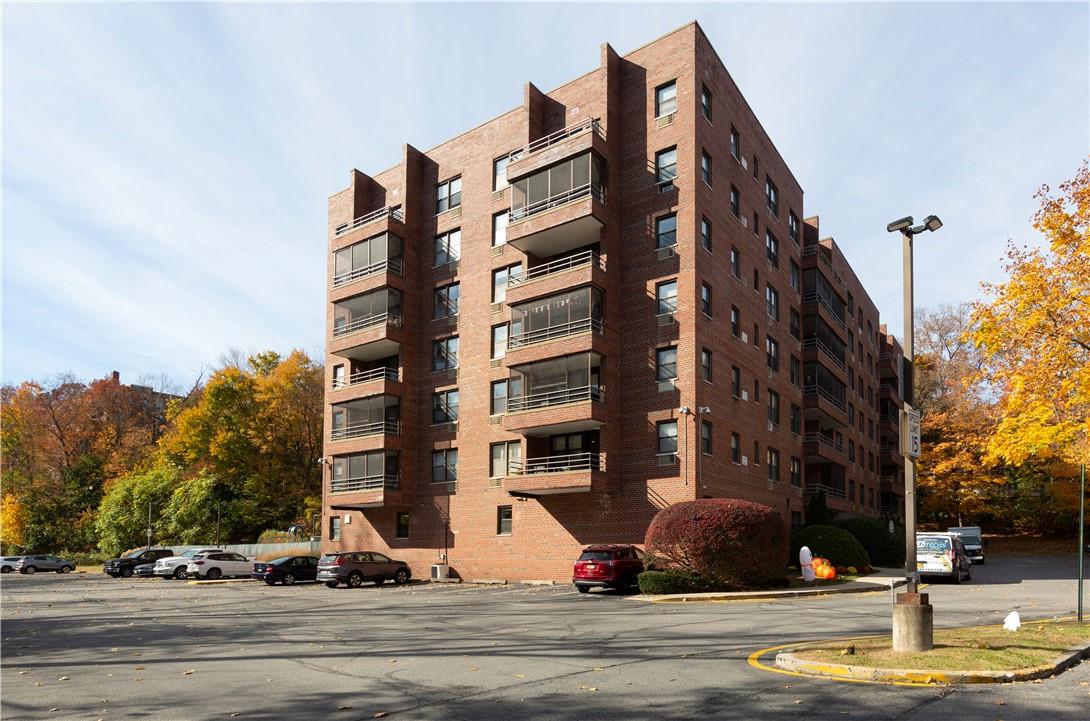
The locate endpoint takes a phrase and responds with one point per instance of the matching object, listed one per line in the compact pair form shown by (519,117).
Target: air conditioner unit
(745,337)
(497,195)
(745,395)
(744,162)
(496,362)
(666,319)
(745,223)
(496,307)
(745,460)
(664,120)
(498,250)
(665,253)
(440,570)
(771,426)
(495,420)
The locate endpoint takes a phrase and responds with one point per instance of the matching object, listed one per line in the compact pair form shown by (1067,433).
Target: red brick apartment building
(517,318)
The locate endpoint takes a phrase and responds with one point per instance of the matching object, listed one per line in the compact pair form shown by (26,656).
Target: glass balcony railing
(553,201)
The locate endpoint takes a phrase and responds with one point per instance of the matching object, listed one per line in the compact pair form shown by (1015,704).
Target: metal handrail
(819,391)
(822,439)
(828,490)
(367,322)
(393,264)
(356,430)
(365,483)
(595,191)
(590,124)
(587,257)
(561,397)
(818,343)
(815,297)
(552,332)
(887,387)
(393,212)
(390,374)
(556,464)
(889,417)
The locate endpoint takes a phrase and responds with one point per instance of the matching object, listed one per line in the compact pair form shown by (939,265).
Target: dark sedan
(144,570)
(287,570)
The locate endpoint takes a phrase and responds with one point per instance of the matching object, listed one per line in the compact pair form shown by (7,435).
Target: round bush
(835,544)
(654,582)
(884,548)
(729,543)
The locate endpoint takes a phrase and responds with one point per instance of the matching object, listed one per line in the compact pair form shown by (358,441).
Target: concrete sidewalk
(877,581)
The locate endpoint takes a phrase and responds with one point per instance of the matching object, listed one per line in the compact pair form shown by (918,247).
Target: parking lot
(85,646)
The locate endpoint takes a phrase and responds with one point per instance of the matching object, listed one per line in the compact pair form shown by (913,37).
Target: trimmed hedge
(655,582)
(730,544)
(835,544)
(884,548)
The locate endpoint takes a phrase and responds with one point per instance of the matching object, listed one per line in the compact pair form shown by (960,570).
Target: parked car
(7,564)
(612,565)
(177,566)
(33,564)
(974,542)
(124,566)
(287,570)
(942,554)
(144,570)
(355,567)
(218,565)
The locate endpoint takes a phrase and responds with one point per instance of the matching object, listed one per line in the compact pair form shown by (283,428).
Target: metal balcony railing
(818,343)
(366,428)
(887,387)
(381,373)
(556,464)
(588,257)
(369,321)
(815,297)
(823,440)
(561,397)
(828,490)
(393,265)
(553,332)
(589,189)
(816,390)
(590,125)
(366,483)
(394,213)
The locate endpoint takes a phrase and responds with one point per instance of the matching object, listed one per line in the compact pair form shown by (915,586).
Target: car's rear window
(971,540)
(937,543)
(329,557)
(596,556)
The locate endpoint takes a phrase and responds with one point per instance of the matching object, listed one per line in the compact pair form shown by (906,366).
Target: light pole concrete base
(913,623)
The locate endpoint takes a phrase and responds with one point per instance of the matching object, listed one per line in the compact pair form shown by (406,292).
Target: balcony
(367,338)
(548,475)
(361,377)
(365,483)
(818,447)
(375,381)
(812,489)
(889,362)
(554,332)
(365,492)
(888,391)
(577,139)
(817,398)
(890,455)
(810,348)
(363,429)
(565,221)
(372,222)
(585,268)
(565,410)
(824,309)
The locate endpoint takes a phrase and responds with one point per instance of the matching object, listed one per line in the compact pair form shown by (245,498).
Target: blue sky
(166,167)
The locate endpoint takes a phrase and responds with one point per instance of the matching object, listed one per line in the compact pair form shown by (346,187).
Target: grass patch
(978,648)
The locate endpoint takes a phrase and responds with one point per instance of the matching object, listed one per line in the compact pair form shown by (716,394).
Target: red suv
(612,565)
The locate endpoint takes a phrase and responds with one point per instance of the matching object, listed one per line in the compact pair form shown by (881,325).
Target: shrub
(728,543)
(835,544)
(884,548)
(818,512)
(655,582)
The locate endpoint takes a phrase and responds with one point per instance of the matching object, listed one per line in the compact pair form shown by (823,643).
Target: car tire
(331,584)
(66,569)
(289,579)
(583,589)
(6,569)
(180,573)
(401,577)
(355,579)
(30,569)
(126,572)
(213,574)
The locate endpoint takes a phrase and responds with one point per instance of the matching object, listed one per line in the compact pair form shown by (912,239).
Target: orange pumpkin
(826,572)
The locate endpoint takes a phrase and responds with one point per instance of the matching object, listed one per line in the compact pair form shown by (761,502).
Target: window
(756,165)
(756,223)
(706,364)
(367,257)
(503,455)
(706,299)
(773,407)
(666,438)
(772,195)
(735,207)
(736,381)
(444,406)
(851,451)
(500,278)
(735,447)
(756,335)
(499,228)
(665,231)
(402,531)
(870,497)
(796,274)
(773,465)
(500,392)
(735,144)
(735,263)
(338,376)
(706,102)
(666,168)
(706,437)
(870,460)
(706,234)
(705,167)
(756,453)
(772,301)
(448,195)
(666,99)
(503,520)
(499,173)
(796,521)
(851,490)
(796,372)
(448,247)
(772,249)
(444,466)
(666,295)
(444,354)
(499,340)
(666,368)
(796,472)
(772,349)
(756,391)
(795,324)
(735,321)
(446,301)
(796,420)
(793,226)
(334,528)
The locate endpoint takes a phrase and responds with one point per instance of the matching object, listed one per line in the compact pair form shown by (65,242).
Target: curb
(214,581)
(791,662)
(864,586)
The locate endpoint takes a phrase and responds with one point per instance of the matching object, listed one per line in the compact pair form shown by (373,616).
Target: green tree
(122,519)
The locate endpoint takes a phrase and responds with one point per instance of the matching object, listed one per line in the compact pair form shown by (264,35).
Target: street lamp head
(902,224)
(684,410)
(932,223)
(703,410)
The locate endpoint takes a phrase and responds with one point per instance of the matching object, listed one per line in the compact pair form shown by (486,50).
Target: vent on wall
(496,362)
(665,319)
(496,307)
(663,120)
(495,420)
(666,253)
(498,250)
(497,194)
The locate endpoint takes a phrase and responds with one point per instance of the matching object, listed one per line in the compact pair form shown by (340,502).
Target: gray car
(355,567)
(7,563)
(33,564)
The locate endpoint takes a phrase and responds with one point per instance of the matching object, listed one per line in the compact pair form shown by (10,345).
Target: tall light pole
(913,616)
(149,525)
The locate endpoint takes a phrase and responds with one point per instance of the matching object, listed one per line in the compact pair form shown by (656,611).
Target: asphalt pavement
(86,646)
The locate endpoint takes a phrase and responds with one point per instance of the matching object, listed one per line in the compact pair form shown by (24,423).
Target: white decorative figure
(806,564)
(1012,622)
